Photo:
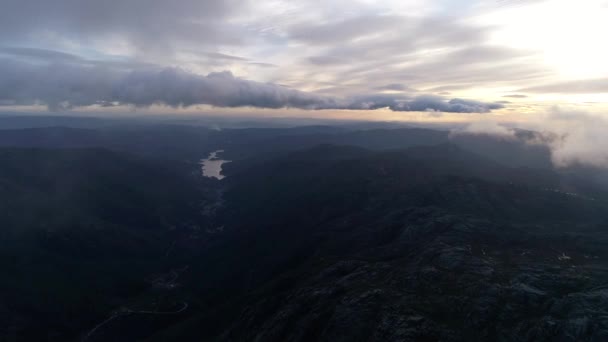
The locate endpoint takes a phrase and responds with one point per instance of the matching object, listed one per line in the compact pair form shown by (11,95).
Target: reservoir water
(212,165)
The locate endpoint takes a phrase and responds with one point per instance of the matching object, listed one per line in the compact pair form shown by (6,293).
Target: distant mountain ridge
(179,141)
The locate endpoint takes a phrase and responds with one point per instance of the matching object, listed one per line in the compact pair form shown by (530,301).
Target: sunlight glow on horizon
(568,34)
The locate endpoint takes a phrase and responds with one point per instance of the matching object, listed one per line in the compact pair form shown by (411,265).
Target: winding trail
(127,311)
(98,326)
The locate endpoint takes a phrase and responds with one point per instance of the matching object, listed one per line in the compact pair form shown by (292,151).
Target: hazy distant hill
(193,143)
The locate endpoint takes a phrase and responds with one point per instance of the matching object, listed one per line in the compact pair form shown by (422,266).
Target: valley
(394,234)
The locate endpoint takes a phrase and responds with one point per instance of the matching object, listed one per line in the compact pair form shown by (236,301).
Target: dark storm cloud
(572,87)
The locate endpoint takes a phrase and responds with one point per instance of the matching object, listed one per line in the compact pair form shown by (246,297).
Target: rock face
(472,281)
(453,260)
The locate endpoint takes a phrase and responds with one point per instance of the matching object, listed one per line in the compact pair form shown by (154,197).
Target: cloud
(65,85)
(40,54)
(217,55)
(424,59)
(360,44)
(395,87)
(263,65)
(150,26)
(329,33)
(327,60)
(516,96)
(572,87)
(430,102)
(576,137)
(13,55)
(573,137)
(422,103)
(486,127)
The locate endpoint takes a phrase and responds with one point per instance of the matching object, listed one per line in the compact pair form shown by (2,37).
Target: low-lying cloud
(578,138)
(486,127)
(573,137)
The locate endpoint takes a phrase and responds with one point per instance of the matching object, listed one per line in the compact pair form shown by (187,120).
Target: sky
(417,60)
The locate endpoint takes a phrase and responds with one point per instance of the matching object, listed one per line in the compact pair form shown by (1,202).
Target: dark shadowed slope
(343,244)
(427,242)
(82,231)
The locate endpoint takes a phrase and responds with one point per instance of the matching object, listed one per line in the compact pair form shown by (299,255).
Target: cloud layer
(149,26)
(73,82)
(345,48)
